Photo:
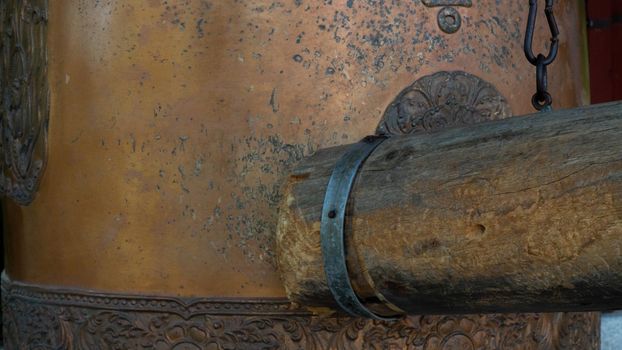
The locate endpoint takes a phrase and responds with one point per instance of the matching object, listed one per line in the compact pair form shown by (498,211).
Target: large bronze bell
(147,146)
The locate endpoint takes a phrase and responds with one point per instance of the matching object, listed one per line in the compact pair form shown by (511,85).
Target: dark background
(604,34)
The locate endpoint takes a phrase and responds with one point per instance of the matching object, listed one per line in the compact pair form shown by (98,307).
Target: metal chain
(541,100)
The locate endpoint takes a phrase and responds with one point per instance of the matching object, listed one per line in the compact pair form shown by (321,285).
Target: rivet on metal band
(332,227)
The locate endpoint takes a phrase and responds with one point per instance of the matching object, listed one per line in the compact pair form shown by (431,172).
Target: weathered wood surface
(523,214)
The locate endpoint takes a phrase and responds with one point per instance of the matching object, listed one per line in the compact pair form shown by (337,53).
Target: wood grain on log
(517,215)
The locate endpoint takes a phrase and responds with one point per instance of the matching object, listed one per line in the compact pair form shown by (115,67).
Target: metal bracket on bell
(332,228)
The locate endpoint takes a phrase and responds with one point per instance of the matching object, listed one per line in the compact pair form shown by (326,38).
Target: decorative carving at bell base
(43,317)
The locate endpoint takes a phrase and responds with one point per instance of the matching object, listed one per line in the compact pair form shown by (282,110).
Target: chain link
(541,100)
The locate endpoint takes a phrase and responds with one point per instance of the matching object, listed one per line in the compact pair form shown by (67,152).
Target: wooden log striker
(516,215)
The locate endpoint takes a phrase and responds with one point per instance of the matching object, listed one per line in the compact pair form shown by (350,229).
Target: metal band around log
(333,224)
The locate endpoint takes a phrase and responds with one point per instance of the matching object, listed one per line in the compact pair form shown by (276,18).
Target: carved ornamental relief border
(24,97)
(37,318)
(442,100)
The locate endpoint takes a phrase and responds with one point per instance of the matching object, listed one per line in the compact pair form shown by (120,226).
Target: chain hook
(541,100)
